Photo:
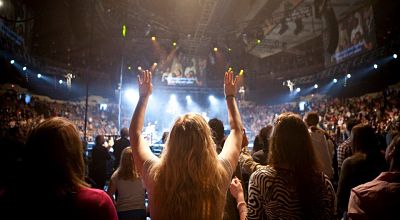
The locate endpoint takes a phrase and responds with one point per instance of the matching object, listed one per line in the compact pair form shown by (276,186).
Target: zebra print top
(272,195)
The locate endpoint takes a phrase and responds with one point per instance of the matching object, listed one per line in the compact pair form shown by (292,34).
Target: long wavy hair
(127,169)
(188,179)
(54,155)
(291,148)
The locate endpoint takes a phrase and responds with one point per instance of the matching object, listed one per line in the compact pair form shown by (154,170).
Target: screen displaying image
(356,34)
(179,69)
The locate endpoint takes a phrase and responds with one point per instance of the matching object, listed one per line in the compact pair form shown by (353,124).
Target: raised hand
(144,83)
(230,84)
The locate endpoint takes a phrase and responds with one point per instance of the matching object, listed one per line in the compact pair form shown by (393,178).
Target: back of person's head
(364,140)
(124,133)
(217,129)
(99,141)
(351,123)
(265,134)
(291,144)
(188,177)
(127,169)
(291,148)
(311,119)
(54,155)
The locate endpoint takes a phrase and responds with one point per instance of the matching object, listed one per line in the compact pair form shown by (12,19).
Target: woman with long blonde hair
(128,185)
(190,180)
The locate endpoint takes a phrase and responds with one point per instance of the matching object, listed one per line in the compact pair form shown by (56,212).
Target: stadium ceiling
(77,32)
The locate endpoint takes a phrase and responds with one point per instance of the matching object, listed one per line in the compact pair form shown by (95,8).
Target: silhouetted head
(99,140)
(124,133)
(217,129)
(364,139)
(311,119)
(54,155)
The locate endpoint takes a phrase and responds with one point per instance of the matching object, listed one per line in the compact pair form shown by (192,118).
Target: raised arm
(231,149)
(140,147)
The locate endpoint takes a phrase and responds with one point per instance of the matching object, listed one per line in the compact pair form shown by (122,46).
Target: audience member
(322,146)
(51,185)
(98,166)
(189,180)
(345,150)
(262,139)
(126,181)
(293,185)
(120,145)
(217,130)
(364,165)
(379,198)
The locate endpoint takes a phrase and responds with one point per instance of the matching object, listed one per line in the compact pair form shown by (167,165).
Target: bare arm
(231,149)
(111,190)
(236,190)
(140,147)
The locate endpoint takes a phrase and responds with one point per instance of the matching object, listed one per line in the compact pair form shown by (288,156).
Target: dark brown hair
(311,118)
(291,148)
(364,140)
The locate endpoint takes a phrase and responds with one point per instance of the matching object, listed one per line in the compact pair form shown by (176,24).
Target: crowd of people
(379,109)
(336,161)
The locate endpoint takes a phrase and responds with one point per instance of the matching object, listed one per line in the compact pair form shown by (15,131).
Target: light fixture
(60,81)
(24,68)
(215,49)
(174,44)
(316,86)
(12,61)
(375,66)
(139,68)
(348,76)
(395,56)
(153,38)
(335,80)
(39,75)
(298,89)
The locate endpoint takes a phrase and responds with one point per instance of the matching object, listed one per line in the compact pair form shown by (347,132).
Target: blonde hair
(127,169)
(189,178)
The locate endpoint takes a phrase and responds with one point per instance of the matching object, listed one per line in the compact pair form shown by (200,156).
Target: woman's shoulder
(265,172)
(95,203)
(90,194)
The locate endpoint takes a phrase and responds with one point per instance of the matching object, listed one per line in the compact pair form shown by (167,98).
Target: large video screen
(356,34)
(179,69)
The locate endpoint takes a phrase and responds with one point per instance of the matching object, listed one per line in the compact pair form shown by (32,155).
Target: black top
(119,146)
